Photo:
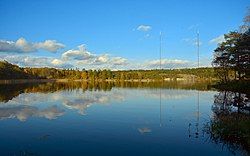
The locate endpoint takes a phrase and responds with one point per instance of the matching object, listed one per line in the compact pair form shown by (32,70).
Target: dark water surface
(168,118)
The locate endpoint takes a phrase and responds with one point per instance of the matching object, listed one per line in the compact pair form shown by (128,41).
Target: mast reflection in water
(80,118)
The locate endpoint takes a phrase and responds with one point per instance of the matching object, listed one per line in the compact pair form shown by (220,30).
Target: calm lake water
(115,119)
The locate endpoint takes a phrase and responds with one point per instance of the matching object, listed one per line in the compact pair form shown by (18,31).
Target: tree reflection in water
(230,124)
(9,91)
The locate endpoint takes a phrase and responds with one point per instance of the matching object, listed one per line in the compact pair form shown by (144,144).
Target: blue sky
(111,33)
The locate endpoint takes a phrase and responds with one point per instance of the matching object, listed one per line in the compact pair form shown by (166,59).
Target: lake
(170,118)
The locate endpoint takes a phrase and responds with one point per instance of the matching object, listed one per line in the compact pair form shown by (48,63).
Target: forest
(10,71)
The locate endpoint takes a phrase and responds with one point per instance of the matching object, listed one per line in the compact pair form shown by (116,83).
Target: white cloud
(80,54)
(49,45)
(82,58)
(23,46)
(57,62)
(101,59)
(91,60)
(218,39)
(118,61)
(104,61)
(144,28)
(8,46)
(60,64)
(168,63)
(31,61)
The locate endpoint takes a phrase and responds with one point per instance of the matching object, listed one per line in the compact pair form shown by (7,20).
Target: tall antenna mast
(160,69)
(160,47)
(198,48)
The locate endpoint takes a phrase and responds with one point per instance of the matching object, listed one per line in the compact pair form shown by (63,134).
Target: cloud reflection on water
(23,112)
(48,104)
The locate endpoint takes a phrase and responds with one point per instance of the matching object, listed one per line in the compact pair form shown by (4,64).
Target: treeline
(10,71)
(232,57)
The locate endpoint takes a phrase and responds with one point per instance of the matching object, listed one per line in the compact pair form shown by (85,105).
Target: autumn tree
(234,53)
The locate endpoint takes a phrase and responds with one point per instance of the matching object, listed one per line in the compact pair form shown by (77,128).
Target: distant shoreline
(13,81)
